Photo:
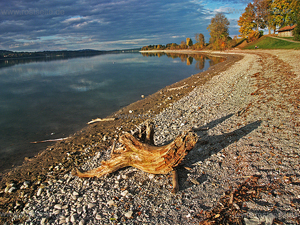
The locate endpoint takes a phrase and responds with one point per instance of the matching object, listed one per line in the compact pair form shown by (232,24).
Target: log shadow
(209,145)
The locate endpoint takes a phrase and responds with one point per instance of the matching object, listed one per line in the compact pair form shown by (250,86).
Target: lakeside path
(284,39)
(245,166)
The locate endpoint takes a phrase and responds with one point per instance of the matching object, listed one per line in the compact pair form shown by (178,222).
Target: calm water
(53,99)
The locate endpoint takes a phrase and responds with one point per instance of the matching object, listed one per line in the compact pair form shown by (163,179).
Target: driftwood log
(145,156)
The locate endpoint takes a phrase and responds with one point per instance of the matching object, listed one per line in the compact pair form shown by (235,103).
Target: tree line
(219,38)
(259,14)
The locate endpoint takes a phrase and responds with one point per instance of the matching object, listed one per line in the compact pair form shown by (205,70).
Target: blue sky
(37,25)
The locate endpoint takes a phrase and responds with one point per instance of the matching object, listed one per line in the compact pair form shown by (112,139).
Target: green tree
(219,34)
(247,21)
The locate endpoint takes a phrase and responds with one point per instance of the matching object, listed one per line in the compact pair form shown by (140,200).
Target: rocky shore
(244,168)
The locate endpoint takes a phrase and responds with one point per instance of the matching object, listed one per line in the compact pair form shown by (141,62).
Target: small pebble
(151,176)
(82,222)
(72,219)
(124,193)
(128,214)
(43,221)
(98,217)
(91,205)
(12,189)
(110,203)
(39,192)
(57,206)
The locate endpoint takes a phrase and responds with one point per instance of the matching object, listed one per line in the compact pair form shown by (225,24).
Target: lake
(44,99)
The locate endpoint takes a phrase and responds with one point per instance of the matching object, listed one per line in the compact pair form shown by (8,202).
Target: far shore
(187,51)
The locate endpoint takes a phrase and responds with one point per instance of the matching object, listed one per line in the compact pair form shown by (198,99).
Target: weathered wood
(101,120)
(177,88)
(50,140)
(175,181)
(148,158)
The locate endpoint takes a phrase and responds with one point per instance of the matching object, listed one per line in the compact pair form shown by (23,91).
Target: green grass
(272,43)
(291,38)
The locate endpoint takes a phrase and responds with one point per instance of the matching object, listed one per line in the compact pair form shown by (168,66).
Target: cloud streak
(36,25)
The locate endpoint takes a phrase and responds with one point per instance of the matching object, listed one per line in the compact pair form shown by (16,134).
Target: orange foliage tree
(246,21)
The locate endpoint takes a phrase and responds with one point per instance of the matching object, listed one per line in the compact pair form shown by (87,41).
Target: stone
(91,205)
(32,213)
(269,219)
(6,189)
(62,221)
(25,185)
(98,217)
(39,192)
(58,206)
(124,193)
(56,212)
(12,189)
(82,222)
(151,176)
(79,210)
(43,221)
(110,203)
(128,214)
(72,219)
(252,221)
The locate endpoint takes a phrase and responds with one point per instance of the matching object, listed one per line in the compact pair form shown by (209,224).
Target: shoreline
(79,131)
(104,133)
(223,84)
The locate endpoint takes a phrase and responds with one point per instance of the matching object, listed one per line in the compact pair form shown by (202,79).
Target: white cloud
(223,9)
(73,19)
(108,24)
(177,36)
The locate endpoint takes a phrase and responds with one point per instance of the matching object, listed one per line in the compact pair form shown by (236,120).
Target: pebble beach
(248,124)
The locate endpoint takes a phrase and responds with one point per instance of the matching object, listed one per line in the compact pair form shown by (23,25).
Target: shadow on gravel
(209,145)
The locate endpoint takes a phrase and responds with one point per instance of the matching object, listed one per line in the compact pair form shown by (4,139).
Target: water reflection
(46,99)
(12,62)
(188,58)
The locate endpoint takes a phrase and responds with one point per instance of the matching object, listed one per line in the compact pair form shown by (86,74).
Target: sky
(38,25)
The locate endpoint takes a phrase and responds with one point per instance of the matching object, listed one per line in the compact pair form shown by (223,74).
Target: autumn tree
(200,61)
(262,10)
(283,13)
(200,40)
(189,42)
(158,47)
(183,45)
(219,31)
(247,22)
(296,32)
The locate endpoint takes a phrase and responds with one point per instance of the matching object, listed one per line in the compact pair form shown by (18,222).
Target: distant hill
(4,54)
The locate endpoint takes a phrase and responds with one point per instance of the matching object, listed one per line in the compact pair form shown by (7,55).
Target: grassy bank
(272,43)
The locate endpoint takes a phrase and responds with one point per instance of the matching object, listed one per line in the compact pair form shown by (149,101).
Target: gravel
(242,132)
